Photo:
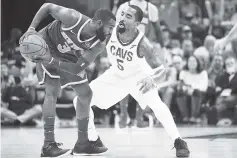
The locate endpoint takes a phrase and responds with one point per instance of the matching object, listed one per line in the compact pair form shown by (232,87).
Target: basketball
(33,45)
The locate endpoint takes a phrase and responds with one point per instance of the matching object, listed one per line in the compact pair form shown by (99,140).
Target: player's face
(105,30)
(127,20)
(108,28)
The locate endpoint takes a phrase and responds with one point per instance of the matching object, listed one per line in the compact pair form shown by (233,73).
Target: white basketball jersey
(124,58)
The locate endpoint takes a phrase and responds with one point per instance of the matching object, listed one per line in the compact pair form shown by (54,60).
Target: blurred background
(189,30)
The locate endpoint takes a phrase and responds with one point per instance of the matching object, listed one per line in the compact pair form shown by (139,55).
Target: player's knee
(52,92)
(87,95)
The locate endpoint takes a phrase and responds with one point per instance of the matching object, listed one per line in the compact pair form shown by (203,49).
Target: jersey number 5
(119,62)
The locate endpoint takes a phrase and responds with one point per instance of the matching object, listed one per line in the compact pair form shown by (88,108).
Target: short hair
(104,15)
(139,13)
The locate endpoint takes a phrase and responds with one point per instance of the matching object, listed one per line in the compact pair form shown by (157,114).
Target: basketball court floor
(204,142)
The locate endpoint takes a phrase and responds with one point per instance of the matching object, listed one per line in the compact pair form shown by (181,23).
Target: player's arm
(221,43)
(231,35)
(83,61)
(153,59)
(159,72)
(67,16)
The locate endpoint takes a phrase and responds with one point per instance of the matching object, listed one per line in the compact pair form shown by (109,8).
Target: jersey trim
(69,28)
(79,33)
(138,52)
(95,43)
(126,44)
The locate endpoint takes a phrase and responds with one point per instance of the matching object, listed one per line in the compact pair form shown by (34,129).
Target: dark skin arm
(67,16)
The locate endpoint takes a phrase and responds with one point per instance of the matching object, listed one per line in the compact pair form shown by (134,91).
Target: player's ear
(99,23)
(137,23)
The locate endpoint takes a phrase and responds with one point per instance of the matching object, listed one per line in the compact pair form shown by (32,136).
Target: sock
(92,133)
(82,130)
(164,115)
(48,130)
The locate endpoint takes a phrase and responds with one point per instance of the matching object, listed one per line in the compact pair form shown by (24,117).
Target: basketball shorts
(109,88)
(66,79)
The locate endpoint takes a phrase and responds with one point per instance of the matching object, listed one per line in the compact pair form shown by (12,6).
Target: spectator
(206,52)
(7,80)
(186,33)
(193,83)
(21,109)
(175,43)
(166,36)
(216,28)
(187,47)
(165,88)
(177,52)
(178,64)
(10,47)
(189,11)
(216,69)
(226,91)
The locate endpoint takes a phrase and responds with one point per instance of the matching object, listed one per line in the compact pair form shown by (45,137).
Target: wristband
(161,67)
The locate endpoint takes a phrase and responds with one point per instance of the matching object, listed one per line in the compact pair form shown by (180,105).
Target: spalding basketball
(33,45)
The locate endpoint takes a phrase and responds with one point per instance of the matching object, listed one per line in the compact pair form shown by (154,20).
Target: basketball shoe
(53,150)
(99,143)
(181,148)
(88,148)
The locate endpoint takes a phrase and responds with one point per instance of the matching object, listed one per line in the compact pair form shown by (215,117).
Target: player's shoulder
(145,43)
(144,46)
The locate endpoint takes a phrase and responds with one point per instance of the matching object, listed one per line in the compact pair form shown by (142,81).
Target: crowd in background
(200,87)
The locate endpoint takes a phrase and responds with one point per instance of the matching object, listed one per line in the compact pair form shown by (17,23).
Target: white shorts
(109,88)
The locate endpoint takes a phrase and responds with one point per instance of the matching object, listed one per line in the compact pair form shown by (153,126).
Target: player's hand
(30,31)
(45,59)
(220,45)
(147,84)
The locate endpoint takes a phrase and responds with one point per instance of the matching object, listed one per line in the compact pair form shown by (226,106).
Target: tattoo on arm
(150,54)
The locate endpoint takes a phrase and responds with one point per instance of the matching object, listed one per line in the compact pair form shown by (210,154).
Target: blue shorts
(66,79)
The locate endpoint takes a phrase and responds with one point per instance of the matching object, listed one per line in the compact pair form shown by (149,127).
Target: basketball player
(150,26)
(221,43)
(135,70)
(73,42)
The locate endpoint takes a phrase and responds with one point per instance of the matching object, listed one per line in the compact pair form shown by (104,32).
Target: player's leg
(123,112)
(80,85)
(164,115)
(52,89)
(107,91)
(83,146)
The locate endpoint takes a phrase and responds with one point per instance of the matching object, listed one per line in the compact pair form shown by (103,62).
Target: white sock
(164,115)
(92,133)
